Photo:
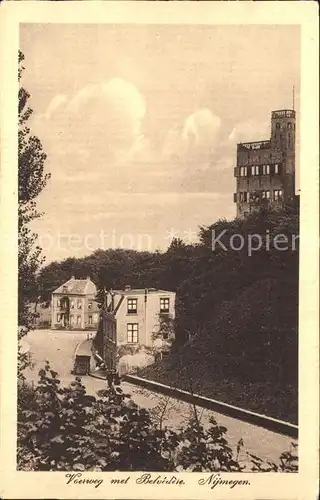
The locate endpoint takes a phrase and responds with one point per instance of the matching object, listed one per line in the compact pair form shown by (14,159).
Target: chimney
(105,299)
(127,288)
(88,278)
(72,277)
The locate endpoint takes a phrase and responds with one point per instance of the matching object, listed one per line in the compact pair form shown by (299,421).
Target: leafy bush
(64,428)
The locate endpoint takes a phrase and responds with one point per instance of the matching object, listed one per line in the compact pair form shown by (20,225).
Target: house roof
(84,348)
(77,287)
(140,291)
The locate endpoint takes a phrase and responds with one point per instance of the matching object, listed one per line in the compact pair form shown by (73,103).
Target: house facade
(265,171)
(138,315)
(73,305)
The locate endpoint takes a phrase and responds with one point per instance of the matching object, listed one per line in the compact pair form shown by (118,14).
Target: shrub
(64,428)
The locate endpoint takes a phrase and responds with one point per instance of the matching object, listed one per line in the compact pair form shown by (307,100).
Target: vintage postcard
(160,248)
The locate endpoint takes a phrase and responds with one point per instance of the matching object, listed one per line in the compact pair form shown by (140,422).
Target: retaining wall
(269,423)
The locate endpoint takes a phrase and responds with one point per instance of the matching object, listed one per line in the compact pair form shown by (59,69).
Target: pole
(293,98)
(145,315)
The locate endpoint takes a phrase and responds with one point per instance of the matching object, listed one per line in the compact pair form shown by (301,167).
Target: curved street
(58,347)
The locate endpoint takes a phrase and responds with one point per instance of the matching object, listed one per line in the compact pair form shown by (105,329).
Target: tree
(64,428)
(163,336)
(31,181)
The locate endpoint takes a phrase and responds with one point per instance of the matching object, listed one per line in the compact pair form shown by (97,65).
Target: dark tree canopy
(31,181)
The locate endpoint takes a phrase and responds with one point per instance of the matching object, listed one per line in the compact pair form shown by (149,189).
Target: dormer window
(65,289)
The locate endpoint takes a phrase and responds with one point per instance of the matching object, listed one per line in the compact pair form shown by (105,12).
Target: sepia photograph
(163,162)
(160,199)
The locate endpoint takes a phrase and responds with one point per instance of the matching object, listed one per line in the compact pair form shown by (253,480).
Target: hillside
(243,356)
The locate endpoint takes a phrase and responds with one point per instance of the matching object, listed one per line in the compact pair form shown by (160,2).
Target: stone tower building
(265,171)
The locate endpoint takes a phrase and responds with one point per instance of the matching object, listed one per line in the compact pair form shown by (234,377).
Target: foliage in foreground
(64,428)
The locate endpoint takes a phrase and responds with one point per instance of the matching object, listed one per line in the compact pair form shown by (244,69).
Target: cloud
(117,98)
(251,130)
(200,127)
(55,104)
(99,137)
(196,137)
(99,124)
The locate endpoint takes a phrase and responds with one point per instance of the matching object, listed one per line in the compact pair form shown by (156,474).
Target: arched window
(278,126)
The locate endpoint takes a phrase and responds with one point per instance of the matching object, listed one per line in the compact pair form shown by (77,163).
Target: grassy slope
(214,372)
(262,397)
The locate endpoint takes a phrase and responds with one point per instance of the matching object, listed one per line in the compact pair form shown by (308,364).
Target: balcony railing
(283,113)
(252,146)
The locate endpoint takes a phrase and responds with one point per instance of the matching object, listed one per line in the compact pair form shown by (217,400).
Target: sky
(140,125)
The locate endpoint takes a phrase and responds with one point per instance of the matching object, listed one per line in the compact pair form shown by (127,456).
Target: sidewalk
(101,374)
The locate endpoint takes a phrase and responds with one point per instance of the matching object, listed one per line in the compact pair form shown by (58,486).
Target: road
(58,347)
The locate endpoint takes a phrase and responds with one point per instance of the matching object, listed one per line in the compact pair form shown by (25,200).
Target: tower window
(266,169)
(289,125)
(254,197)
(265,195)
(255,170)
(276,168)
(243,196)
(243,171)
(278,194)
(277,126)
